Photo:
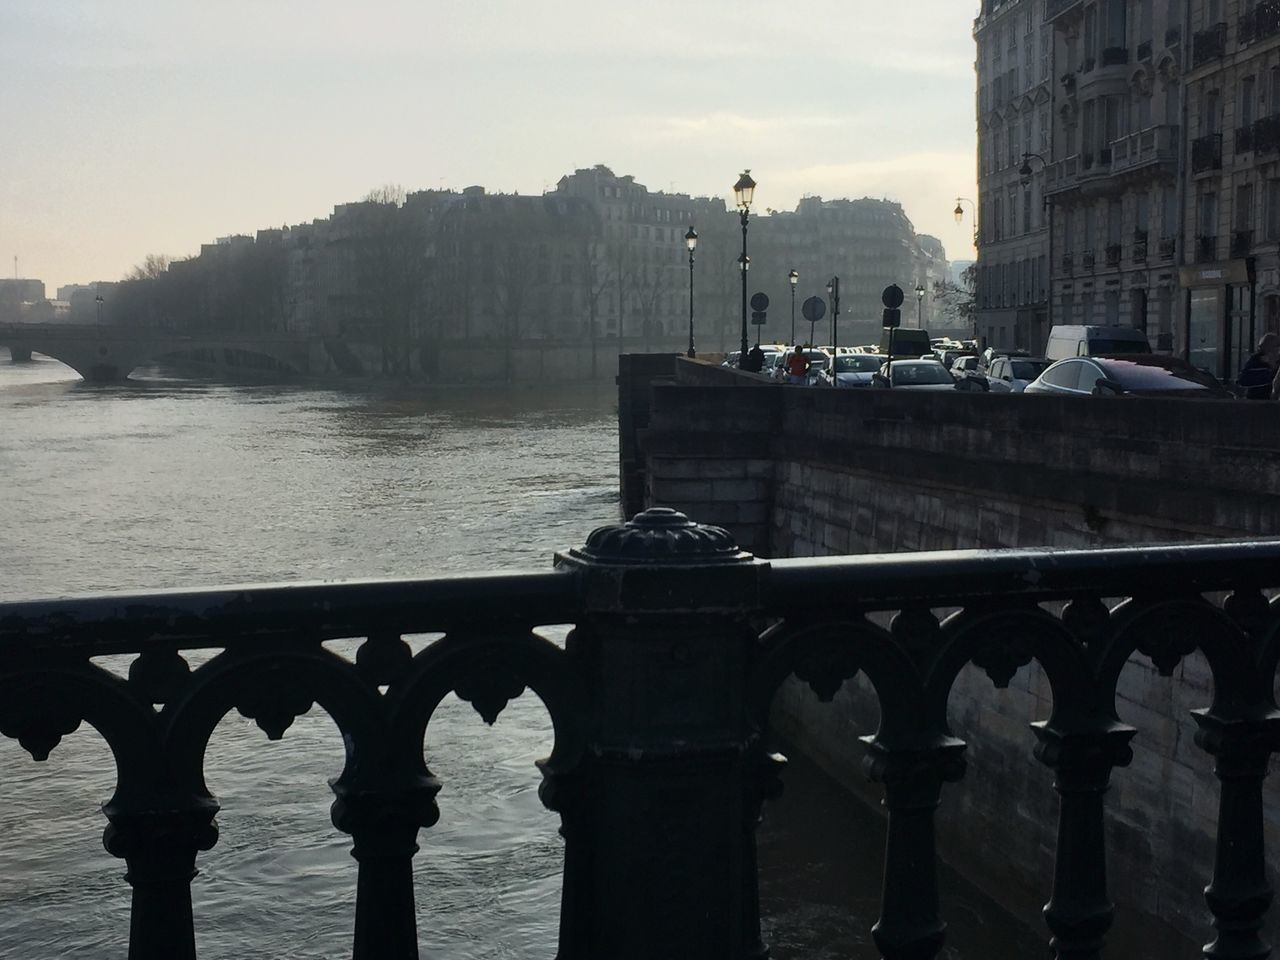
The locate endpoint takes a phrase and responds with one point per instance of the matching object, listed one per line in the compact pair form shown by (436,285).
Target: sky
(130,127)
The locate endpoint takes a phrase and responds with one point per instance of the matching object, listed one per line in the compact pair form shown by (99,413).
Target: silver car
(1012,374)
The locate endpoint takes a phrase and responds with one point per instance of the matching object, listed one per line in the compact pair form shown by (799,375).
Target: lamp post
(793,278)
(743,193)
(919,304)
(691,241)
(833,296)
(98,300)
(959,215)
(1024,174)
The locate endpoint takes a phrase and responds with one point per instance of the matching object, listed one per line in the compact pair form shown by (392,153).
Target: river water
(167,482)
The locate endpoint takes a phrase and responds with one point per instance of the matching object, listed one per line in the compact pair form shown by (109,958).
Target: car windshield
(1029,369)
(909,373)
(858,363)
(817,361)
(1156,373)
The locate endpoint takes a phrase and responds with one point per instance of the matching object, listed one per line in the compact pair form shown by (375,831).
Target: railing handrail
(1041,575)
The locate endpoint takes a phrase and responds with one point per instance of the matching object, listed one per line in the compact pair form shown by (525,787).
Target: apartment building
(1231,206)
(1014,99)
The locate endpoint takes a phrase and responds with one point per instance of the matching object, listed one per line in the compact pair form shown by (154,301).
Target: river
(167,482)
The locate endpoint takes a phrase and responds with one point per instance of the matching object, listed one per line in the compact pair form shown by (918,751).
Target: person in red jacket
(797,365)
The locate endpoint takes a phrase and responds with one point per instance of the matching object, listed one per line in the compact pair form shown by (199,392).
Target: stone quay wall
(810,472)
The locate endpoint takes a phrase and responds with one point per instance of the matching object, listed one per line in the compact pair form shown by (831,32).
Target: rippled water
(167,482)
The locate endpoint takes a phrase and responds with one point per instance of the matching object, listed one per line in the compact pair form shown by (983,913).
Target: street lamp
(959,214)
(98,300)
(793,278)
(691,241)
(743,193)
(833,295)
(919,304)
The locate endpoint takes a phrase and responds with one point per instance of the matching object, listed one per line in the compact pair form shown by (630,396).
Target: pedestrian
(755,359)
(1258,376)
(797,365)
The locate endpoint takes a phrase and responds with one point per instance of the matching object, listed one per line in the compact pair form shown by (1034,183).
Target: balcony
(1068,263)
(1167,247)
(659,766)
(1244,139)
(1113,254)
(1139,246)
(1206,153)
(1209,44)
(1262,23)
(1173,36)
(1206,249)
(1115,56)
(1087,260)
(1061,175)
(1054,9)
(1266,134)
(1150,147)
(1241,243)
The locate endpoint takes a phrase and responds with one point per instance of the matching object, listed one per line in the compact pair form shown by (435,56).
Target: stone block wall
(808,472)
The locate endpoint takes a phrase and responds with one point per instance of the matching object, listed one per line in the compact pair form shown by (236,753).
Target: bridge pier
(19,353)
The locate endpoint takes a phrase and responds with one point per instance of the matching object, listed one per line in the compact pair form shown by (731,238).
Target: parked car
(1012,374)
(988,356)
(914,375)
(1072,340)
(853,370)
(1134,375)
(964,366)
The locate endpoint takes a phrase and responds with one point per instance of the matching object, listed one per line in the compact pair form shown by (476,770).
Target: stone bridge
(109,353)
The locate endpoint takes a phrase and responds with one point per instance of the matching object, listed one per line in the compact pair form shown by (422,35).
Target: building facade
(1014,103)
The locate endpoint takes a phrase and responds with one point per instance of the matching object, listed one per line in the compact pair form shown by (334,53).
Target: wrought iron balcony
(1113,254)
(1241,243)
(1067,263)
(1139,246)
(1260,23)
(1266,134)
(660,703)
(1115,56)
(1244,139)
(1087,260)
(1206,153)
(1060,8)
(1206,248)
(1167,247)
(1209,44)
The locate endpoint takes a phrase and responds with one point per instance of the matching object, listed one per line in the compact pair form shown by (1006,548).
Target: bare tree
(511,291)
(596,271)
(649,282)
(154,265)
(392,266)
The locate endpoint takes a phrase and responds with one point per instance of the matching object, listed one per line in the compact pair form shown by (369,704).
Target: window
(1013,212)
(1273,209)
(1142,213)
(1273,98)
(1115,220)
(1116,10)
(1209,113)
(1065,374)
(1207,215)
(1090,32)
(1245,107)
(1168,212)
(1026,211)
(1244,207)
(1144,21)
(1089,375)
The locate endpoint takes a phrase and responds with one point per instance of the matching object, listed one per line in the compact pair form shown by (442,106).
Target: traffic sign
(757,317)
(892,317)
(813,309)
(759,302)
(892,296)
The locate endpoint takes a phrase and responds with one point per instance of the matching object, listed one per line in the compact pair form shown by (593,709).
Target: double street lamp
(743,193)
(691,241)
(793,278)
(833,295)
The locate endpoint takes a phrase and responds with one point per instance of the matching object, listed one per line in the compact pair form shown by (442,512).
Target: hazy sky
(150,126)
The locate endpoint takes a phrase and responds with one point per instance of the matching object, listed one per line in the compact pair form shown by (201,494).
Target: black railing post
(160,847)
(659,811)
(384,825)
(1079,912)
(1239,894)
(911,925)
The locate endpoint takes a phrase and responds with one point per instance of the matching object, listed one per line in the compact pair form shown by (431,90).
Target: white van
(1088,341)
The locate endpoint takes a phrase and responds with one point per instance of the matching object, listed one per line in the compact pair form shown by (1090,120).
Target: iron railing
(660,701)
(1208,44)
(1206,153)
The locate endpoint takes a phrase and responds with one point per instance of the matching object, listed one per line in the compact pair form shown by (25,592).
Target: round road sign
(891,297)
(813,309)
(759,301)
